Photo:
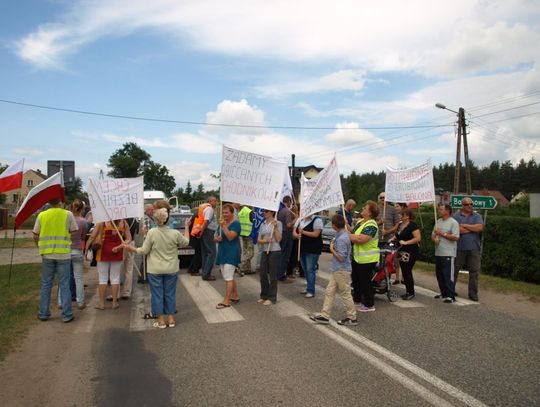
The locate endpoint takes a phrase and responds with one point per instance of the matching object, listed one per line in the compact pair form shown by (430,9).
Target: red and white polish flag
(52,187)
(12,177)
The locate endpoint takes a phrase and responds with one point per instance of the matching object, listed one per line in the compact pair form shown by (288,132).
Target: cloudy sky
(310,78)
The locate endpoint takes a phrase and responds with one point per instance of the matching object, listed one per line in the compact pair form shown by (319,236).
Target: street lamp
(462,131)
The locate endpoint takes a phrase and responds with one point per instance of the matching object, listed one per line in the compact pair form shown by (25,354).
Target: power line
(503,101)
(506,110)
(191,122)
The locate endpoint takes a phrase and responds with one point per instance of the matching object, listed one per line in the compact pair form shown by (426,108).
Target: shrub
(511,247)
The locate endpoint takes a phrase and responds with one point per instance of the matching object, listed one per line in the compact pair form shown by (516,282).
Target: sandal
(235,301)
(171,324)
(149,315)
(115,306)
(222,305)
(157,325)
(100,307)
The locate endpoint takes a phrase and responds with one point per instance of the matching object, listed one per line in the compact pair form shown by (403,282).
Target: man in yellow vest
(52,234)
(245,216)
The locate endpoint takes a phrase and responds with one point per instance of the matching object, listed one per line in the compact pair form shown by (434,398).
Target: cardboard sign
(252,179)
(411,184)
(116,198)
(326,193)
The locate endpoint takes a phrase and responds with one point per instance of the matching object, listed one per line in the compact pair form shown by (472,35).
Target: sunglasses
(381,198)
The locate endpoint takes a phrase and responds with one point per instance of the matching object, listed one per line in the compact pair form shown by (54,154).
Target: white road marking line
(418,371)
(86,324)
(430,293)
(286,307)
(419,290)
(408,304)
(140,305)
(394,374)
(206,298)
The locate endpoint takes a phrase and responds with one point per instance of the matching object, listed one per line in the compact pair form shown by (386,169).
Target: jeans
(309,264)
(444,270)
(208,251)
(49,268)
(286,248)
(163,289)
(76,283)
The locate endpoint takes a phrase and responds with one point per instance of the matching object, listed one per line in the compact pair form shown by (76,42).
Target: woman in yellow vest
(365,239)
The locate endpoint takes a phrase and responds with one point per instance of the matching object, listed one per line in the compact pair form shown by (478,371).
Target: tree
(75,191)
(188,192)
(157,177)
(128,161)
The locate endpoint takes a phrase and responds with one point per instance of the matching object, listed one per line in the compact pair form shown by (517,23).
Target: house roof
(501,199)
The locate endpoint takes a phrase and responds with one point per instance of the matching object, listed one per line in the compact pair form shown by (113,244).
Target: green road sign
(479,202)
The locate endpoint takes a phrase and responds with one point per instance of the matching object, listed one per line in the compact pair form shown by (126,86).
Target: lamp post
(462,132)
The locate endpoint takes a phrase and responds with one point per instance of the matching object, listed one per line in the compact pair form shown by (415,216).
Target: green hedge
(511,247)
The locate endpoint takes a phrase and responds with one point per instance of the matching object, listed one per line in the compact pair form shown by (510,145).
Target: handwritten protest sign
(116,198)
(306,186)
(251,179)
(413,184)
(326,193)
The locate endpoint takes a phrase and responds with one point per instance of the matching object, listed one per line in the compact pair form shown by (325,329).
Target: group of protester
(60,236)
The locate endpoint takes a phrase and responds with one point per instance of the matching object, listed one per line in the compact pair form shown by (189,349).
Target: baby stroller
(381,275)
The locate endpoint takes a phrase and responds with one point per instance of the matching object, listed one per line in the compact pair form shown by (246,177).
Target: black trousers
(196,261)
(361,281)
(406,263)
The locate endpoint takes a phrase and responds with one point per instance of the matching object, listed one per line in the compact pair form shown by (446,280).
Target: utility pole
(461,133)
(463,125)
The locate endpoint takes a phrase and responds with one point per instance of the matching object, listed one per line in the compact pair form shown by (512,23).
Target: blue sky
(346,67)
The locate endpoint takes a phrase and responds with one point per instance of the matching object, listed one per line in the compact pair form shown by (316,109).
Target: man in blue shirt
(468,249)
(340,278)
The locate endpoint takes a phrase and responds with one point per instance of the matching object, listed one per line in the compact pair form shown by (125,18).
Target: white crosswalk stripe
(206,298)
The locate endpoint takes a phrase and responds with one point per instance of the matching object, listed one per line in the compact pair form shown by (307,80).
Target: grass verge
(498,284)
(18,303)
(5,243)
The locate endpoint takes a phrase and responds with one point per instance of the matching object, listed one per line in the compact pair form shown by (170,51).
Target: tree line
(505,177)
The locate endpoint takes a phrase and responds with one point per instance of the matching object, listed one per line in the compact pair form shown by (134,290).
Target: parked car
(184,210)
(185,254)
(328,233)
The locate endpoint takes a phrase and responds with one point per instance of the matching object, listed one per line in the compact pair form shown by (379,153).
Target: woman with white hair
(161,248)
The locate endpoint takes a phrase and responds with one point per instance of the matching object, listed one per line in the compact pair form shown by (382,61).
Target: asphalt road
(428,353)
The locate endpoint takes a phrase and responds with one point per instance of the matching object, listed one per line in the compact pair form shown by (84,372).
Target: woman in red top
(109,257)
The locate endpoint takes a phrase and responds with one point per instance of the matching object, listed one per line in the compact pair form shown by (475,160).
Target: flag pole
(11,259)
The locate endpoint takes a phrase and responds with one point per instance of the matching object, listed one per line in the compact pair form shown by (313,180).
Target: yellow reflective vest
(367,252)
(245,222)
(54,238)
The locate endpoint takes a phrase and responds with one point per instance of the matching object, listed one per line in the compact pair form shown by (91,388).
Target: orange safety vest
(199,220)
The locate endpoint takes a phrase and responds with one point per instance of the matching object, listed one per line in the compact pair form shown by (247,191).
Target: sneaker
(407,296)
(43,318)
(348,322)
(363,308)
(309,295)
(475,299)
(449,300)
(303,292)
(318,318)
(438,296)
(68,320)
(260,301)
(267,302)
(81,306)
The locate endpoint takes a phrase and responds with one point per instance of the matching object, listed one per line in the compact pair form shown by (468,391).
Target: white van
(152,196)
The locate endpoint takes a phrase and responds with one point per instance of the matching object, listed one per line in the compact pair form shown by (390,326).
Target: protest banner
(252,179)
(325,194)
(116,198)
(413,184)
(306,186)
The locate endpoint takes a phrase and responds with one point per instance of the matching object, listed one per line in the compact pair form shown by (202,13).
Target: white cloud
(462,36)
(350,133)
(344,80)
(141,141)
